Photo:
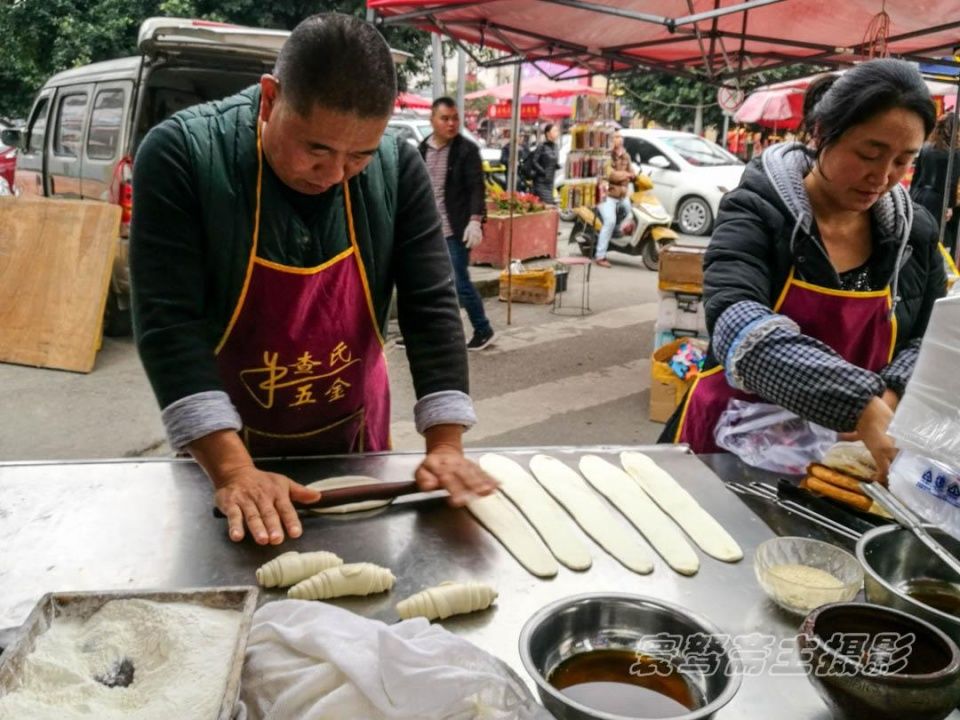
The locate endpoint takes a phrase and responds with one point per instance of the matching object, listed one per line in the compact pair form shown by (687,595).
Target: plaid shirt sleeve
(897,374)
(766,354)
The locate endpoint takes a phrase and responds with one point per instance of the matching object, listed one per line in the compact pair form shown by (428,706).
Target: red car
(8,162)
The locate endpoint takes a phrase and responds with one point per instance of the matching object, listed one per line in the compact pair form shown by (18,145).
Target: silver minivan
(86,123)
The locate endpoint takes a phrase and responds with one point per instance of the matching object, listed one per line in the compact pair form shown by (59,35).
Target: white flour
(180,655)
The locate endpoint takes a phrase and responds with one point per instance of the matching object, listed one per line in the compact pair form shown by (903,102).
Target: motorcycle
(645,234)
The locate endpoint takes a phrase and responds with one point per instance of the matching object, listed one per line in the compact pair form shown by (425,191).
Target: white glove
(473,235)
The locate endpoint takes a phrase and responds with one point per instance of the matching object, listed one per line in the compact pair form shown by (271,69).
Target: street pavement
(547,380)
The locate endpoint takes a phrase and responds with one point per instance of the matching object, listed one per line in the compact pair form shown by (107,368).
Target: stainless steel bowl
(621,621)
(895,561)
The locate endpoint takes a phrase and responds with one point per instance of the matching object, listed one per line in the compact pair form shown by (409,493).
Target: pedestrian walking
(456,174)
(545,162)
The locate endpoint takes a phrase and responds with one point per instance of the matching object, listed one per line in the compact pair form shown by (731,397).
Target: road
(547,380)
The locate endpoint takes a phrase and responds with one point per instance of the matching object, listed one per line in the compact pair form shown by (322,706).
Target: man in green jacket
(269,231)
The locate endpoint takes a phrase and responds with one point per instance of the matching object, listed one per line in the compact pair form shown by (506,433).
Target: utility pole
(461,81)
(437,46)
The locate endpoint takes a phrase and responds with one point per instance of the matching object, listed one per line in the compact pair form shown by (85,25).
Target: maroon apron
(857,325)
(302,358)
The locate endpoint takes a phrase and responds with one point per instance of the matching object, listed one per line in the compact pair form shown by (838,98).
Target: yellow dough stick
(292,567)
(351,579)
(446,599)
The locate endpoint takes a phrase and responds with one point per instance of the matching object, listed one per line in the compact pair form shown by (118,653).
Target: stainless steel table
(148,524)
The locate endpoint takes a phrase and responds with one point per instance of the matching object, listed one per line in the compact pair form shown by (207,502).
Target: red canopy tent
(716,39)
(539,87)
(410,101)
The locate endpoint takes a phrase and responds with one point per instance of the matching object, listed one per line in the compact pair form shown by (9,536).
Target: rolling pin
(349,495)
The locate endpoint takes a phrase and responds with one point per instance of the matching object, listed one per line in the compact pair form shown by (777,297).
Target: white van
(86,123)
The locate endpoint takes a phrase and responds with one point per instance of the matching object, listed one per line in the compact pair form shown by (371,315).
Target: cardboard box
(533,286)
(666,389)
(681,269)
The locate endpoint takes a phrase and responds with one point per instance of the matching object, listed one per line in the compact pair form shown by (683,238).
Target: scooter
(645,234)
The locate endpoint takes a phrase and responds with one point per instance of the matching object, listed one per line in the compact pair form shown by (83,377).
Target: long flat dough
(508,526)
(627,496)
(676,502)
(543,512)
(335,483)
(572,491)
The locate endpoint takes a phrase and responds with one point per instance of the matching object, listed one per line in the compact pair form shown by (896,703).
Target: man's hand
(248,496)
(261,501)
(446,467)
(872,430)
(473,235)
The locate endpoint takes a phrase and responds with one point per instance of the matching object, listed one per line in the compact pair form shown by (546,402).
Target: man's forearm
(220,454)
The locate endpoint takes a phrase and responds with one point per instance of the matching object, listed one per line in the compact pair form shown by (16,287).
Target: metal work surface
(135,525)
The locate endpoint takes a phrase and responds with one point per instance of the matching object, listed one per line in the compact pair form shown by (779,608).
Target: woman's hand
(872,431)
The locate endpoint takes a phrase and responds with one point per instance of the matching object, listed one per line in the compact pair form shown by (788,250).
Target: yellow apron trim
(951,265)
(893,327)
(783,292)
(841,293)
(253,249)
(686,403)
(304,271)
(363,270)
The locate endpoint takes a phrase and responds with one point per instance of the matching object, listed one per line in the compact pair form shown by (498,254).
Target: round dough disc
(347,481)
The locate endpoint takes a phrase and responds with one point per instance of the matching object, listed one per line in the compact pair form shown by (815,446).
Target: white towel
(314,661)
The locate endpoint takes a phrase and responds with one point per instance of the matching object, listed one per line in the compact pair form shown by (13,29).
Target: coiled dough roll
(292,567)
(350,579)
(446,599)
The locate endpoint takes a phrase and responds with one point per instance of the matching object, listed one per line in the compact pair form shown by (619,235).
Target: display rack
(591,140)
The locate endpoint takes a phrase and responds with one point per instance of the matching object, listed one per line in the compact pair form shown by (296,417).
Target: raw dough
(508,526)
(446,599)
(543,512)
(624,494)
(571,491)
(676,502)
(351,579)
(347,481)
(292,567)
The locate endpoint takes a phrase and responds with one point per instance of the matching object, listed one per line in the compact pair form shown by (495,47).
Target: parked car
(8,159)
(416,128)
(690,174)
(86,124)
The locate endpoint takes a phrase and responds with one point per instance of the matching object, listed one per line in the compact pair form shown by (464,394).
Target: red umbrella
(776,108)
(538,87)
(407,100)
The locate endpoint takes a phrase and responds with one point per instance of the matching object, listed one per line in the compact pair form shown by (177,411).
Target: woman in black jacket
(930,178)
(545,162)
(821,274)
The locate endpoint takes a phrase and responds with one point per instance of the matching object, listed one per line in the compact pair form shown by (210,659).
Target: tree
(43,37)
(671,100)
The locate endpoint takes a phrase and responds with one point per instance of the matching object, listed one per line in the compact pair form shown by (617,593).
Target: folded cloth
(314,661)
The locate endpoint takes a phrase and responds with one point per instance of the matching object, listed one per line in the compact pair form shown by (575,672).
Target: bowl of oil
(902,573)
(618,656)
(870,661)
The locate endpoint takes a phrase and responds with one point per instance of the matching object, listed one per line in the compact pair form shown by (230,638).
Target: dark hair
(866,91)
(946,126)
(444,101)
(547,128)
(814,93)
(339,62)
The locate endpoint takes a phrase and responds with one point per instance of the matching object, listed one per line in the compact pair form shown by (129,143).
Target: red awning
(537,87)
(719,39)
(409,100)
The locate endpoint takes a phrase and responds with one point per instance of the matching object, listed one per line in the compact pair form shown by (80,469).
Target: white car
(416,129)
(690,174)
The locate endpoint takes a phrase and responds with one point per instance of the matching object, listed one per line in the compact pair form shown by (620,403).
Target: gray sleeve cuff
(448,407)
(197,415)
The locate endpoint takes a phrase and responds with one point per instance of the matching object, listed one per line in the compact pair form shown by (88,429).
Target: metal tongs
(768,493)
(909,520)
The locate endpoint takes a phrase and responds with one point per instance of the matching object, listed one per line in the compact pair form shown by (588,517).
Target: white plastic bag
(768,437)
(929,488)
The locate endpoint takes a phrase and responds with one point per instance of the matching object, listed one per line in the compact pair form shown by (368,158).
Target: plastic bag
(768,437)
(930,489)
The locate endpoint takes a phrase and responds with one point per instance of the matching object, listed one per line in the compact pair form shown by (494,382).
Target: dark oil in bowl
(623,682)
(939,594)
